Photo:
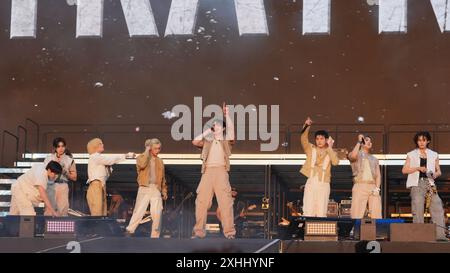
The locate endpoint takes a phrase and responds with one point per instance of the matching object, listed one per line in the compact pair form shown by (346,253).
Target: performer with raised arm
(422,168)
(317,169)
(366,178)
(30,189)
(99,170)
(58,190)
(215,155)
(152,185)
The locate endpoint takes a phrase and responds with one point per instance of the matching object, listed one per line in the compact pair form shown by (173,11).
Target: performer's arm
(72,171)
(306,145)
(407,169)
(230,125)
(378,179)
(198,140)
(109,160)
(44,197)
(437,172)
(143,160)
(164,184)
(333,155)
(353,155)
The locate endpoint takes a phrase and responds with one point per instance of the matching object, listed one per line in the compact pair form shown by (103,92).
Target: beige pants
(96,198)
(145,196)
(61,199)
(361,195)
(23,201)
(215,180)
(315,198)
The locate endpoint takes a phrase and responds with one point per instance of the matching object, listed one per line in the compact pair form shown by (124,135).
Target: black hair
(54,167)
(57,140)
(322,133)
(220,121)
(424,134)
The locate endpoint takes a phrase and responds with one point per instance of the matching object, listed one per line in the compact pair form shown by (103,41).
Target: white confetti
(276,78)
(360,119)
(98,84)
(201,29)
(169,115)
(137,129)
(212,21)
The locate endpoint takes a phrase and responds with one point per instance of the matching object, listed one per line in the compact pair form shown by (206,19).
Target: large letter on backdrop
(316,16)
(23,18)
(392,16)
(89,18)
(139,17)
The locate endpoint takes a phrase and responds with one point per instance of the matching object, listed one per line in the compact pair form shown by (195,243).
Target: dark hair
(219,121)
(57,140)
(322,133)
(54,167)
(424,134)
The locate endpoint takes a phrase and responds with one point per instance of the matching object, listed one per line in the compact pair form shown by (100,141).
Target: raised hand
(330,142)
(308,121)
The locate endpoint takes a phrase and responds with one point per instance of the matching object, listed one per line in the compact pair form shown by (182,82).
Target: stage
(147,245)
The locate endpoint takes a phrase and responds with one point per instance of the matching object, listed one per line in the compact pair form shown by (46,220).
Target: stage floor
(214,245)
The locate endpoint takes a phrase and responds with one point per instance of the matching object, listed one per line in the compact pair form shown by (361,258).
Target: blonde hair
(93,144)
(151,142)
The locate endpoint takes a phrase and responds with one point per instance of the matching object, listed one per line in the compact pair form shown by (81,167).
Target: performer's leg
(222,190)
(359,201)
(13,207)
(62,199)
(95,198)
(308,198)
(437,216)
(203,201)
(20,204)
(156,207)
(142,201)
(417,203)
(375,204)
(104,202)
(323,191)
(51,193)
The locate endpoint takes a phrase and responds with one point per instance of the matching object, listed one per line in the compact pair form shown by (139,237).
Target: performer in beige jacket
(152,185)
(367,180)
(317,168)
(216,153)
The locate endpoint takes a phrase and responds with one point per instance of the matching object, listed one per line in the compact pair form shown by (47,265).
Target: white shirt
(99,166)
(36,176)
(414,161)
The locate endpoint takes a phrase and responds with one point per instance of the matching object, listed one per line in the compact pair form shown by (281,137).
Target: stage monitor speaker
(368,230)
(26,228)
(413,232)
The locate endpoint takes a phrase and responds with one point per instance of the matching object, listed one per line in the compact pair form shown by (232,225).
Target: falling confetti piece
(131,58)
(284,144)
(201,29)
(212,21)
(276,78)
(169,115)
(98,84)
(416,85)
(360,119)
(137,129)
